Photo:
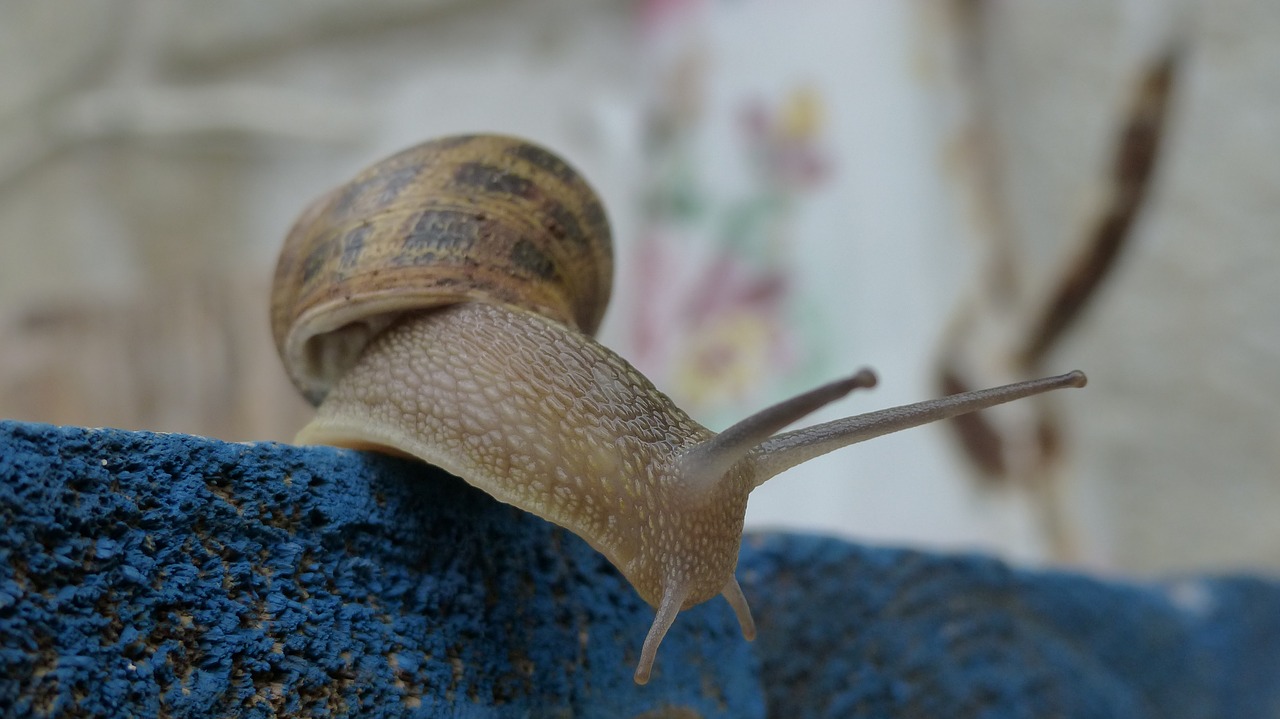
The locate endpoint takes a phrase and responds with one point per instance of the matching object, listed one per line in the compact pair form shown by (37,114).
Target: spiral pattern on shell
(464,218)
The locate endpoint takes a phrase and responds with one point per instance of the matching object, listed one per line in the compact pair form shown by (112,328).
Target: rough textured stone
(184,576)
(848,631)
(180,576)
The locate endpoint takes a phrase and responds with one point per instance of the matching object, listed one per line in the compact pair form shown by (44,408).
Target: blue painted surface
(153,573)
(851,631)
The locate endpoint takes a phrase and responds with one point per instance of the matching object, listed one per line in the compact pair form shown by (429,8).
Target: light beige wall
(1176,452)
(153,154)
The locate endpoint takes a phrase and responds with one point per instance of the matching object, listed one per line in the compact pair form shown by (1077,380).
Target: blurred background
(955,192)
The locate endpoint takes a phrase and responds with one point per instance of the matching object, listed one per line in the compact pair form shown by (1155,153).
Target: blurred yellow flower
(801,115)
(725,359)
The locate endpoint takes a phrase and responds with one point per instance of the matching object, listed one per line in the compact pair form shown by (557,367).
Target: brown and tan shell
(468,217)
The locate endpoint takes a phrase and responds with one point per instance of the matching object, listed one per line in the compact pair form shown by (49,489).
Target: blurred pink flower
(785,143)
(653,15)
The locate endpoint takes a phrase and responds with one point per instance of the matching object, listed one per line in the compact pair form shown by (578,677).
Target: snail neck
(722,459)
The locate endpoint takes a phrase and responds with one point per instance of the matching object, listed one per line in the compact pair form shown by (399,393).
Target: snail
(442,304)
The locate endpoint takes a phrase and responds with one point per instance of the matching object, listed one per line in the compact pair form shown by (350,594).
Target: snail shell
(467,218)
(441,306)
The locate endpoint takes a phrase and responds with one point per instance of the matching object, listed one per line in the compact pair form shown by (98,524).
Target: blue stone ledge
(145,574)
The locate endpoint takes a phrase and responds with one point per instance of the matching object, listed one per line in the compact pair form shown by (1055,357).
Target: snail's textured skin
(167,575)
(468,217)
(552,422)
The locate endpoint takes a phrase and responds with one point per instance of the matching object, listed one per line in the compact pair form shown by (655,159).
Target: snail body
(441,306)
